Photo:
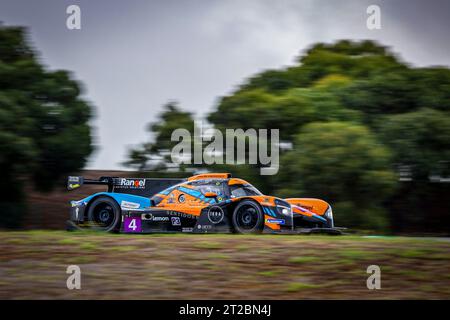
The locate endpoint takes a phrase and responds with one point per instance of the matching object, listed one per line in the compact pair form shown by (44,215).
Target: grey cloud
(133,56)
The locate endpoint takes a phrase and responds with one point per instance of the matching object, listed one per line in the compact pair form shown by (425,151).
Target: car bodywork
(204,203)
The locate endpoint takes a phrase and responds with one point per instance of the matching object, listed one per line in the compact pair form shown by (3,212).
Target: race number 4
(132,224)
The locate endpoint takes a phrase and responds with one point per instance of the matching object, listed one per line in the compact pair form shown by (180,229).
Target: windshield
(157,199)
(243,190)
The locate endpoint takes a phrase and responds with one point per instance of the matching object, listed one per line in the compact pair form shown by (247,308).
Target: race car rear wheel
(248,217)
(104,214)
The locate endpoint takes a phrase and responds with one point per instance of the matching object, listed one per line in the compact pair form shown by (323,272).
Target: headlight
(329,215)
(284,210)
(283,207)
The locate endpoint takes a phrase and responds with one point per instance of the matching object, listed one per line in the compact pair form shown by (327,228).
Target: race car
(203,203)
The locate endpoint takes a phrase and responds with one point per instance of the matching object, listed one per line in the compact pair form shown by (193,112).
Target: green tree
(287,112)
(434,84)
(399,91)
(420,143)
(156,155)
(355,59)
(344,164)
(44,131)
(419,140)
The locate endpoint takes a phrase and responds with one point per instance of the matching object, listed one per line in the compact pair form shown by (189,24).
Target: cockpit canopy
(223,187)
(243,190)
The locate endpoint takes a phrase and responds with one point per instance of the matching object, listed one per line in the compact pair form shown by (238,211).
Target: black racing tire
(248,217)
(104,214)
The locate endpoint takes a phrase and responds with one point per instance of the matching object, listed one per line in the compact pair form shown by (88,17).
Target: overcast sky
(134,56)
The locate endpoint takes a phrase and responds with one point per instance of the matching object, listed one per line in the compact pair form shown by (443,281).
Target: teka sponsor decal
(215,215)
(132,183)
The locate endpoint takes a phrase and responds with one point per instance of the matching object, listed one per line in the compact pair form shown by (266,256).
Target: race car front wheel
(248,217)
(104,214)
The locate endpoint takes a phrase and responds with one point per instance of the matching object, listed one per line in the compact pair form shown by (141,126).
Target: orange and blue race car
(204,203)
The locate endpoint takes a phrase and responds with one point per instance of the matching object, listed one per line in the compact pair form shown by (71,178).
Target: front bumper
(302,224)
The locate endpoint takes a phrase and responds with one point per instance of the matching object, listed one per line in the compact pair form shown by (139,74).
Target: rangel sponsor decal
(132,183)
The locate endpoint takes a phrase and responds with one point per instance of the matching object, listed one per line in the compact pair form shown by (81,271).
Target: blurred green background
(366,131)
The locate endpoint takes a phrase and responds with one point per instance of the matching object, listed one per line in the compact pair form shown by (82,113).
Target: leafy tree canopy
(155,155)
(420,140)
(44,131)
(341,162)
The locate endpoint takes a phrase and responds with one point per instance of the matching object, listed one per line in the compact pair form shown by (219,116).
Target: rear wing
(74,182)
(145,187)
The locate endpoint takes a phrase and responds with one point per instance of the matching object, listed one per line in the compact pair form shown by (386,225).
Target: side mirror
(210,194)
